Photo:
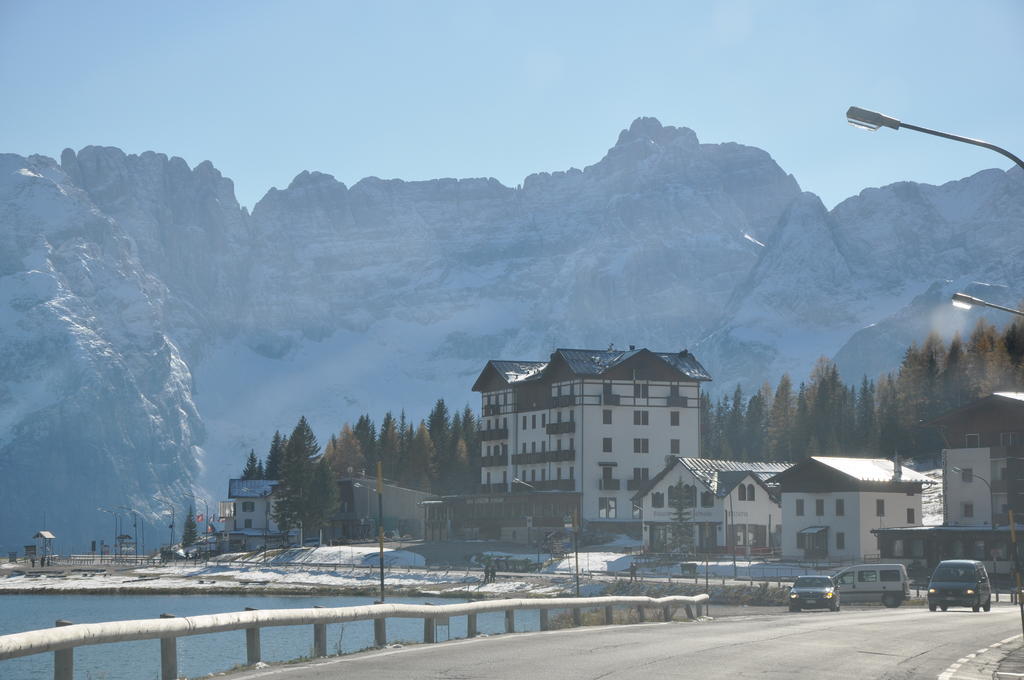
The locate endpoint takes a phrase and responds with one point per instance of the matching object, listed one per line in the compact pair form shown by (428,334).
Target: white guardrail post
(168,655)
(65,636)
(63,659)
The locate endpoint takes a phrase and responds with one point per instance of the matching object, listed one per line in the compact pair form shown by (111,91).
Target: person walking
(632,571)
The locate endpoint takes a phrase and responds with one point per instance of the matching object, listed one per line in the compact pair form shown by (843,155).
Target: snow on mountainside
(152,331)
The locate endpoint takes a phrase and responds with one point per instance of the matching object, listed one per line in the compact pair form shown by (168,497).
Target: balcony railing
(495,434)
(563,400)
(558,456)
(676,400)
(609,484)
(555,485)
(493,461)
(491,409)
(635,484)
(564,427)
(610,399)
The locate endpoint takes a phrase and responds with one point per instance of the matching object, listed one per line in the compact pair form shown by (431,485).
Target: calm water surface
(200,655)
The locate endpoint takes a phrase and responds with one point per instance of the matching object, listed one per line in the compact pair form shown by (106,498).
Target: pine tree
(366,432)
(890,434)
(801,445)
(439,428)
(753,426)
(323,497)
(252,469)
(293,489)
(190,534)
(733,429)
(779,430)
(387,446)
(416,472)
(682,500)
(272,468)
(866,428)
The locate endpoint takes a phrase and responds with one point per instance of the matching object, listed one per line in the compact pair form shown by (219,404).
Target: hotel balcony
(493,435)
(564,427)
(609,484)
(559,456)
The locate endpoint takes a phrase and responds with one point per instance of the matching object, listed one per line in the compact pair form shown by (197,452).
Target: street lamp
(575,531)
(135,526)
(872,120)
(170,505)
(116,532)
(964,301)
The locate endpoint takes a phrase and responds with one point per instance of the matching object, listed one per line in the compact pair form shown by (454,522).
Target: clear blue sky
(418,90)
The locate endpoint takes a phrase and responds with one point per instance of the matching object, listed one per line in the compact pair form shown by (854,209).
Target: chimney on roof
(897,467)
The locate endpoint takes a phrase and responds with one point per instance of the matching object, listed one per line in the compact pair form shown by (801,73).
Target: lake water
(200,655)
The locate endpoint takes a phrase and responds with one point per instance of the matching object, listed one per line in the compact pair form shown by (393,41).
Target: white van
(885,583)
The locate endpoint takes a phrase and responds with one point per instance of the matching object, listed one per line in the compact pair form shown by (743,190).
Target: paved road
(889,644)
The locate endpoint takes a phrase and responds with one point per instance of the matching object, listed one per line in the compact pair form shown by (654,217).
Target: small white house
(247,515)
(830,506)
(729,505)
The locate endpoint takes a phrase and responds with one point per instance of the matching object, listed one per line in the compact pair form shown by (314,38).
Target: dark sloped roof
(520,371)
(598,361)
(589,362)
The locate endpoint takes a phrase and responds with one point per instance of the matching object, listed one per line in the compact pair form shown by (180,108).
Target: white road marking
(950,673)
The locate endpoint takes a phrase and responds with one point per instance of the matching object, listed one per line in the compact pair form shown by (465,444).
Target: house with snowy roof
(728,504)
(248,515)
(577,436)
(832,505)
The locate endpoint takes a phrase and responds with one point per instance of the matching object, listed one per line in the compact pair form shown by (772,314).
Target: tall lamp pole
(872,120)
(135,525)
(964,301)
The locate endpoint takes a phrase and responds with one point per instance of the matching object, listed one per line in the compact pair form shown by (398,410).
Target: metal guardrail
(63,639)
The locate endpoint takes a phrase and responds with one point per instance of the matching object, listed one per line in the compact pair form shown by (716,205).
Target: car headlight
(969,591)
(932,590)
(829,596)
(793,596)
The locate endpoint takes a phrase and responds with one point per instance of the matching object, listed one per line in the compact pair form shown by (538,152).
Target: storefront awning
(813,530)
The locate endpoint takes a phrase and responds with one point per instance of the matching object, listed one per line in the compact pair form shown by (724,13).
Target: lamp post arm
(965,140)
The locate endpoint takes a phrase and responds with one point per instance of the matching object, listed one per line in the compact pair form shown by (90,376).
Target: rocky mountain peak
(649,129)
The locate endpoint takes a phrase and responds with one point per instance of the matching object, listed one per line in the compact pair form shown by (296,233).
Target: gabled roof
(592,362)
(251,488)
(871,469)
(597,361)
(519,371)
(1012,400)
(510,371)
(719,476)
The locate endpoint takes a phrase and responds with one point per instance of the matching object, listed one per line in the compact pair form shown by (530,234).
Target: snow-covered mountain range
(152,331)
